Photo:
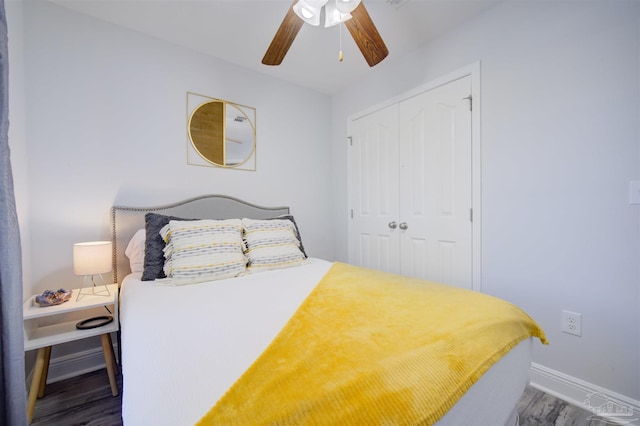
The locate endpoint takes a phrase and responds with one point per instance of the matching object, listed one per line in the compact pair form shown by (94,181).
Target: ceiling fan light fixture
(360,26)
(308,13)
(347,6)
(316,3)
(332,16)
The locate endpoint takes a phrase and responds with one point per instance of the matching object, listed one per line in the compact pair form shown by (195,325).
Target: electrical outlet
(572,323)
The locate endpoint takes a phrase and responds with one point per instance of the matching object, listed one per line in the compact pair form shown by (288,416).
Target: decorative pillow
(297,231)
(153,246)
(203,250)
(271,244)
(135,251)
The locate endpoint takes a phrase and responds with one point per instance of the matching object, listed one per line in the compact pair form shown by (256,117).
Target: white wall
(17,128)
(560,143)
(105,116)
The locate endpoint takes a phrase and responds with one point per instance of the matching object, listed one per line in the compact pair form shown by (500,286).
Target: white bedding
(183,347)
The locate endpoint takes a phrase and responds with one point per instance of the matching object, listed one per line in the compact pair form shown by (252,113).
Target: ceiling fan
(351,12)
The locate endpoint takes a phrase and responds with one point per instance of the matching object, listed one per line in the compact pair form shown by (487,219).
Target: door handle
(393,225)
(403,226)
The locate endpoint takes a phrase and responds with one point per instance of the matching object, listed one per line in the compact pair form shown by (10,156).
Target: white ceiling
(239,31)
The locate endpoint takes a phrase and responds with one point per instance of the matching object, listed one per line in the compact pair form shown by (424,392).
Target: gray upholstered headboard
(126,220)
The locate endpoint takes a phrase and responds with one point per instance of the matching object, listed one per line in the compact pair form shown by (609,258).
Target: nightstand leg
(109,359)
(35,382)
(45,371)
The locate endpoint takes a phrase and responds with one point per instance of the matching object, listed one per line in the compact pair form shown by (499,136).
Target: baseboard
(618,408)
(75,364)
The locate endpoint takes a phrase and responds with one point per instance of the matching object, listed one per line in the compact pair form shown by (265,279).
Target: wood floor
(537,408)
(82,400)
(87,400)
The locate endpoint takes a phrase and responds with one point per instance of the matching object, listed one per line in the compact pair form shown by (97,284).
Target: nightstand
(57,329)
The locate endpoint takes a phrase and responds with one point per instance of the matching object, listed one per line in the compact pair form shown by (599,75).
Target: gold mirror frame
(220,133)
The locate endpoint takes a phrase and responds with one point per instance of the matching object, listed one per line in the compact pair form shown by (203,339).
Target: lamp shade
(316,3)
(92,258)
(347,6)
(308,13)
(332,16)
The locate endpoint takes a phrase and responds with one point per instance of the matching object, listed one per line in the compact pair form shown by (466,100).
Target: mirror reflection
(222,133)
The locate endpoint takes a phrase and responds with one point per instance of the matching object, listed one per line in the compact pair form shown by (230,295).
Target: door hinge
(350,140)
(351,213)
(470,99)
(471,215)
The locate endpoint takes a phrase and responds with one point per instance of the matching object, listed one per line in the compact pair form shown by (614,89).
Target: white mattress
(183,347)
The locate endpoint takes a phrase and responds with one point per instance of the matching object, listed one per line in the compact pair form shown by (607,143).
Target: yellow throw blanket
(370,348)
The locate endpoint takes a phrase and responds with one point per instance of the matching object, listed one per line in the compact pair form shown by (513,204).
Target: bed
(207,351)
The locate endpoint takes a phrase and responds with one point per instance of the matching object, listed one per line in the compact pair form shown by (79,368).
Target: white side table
(43,337)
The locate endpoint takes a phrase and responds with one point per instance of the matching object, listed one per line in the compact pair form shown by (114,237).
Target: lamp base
(91,288)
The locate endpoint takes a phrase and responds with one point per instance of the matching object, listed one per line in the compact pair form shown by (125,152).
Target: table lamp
(92,259)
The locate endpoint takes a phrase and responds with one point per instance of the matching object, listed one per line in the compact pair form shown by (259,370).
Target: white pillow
(135,251)
(203,250)
(271,244)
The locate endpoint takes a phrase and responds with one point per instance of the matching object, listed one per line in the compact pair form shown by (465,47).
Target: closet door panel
(435,190)
(373,191)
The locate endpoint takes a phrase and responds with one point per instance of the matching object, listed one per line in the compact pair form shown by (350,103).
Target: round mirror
(223,133)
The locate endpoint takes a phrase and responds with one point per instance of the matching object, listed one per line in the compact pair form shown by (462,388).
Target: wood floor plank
(537,408)
(82,400)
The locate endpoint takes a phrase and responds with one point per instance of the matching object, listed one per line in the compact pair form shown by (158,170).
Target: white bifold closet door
(374,180)
(410,182)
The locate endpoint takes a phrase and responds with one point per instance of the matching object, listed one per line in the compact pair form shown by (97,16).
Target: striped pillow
(271,244)
(203,250)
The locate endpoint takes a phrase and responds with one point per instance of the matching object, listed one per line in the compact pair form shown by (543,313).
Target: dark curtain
(13,406)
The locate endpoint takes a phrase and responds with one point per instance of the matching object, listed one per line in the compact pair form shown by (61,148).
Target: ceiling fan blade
(283,39)
(366,36)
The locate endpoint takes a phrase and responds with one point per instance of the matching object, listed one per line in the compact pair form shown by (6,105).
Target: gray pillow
(154,244)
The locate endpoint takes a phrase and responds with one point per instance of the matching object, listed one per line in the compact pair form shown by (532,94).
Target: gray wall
(104,113)
(106,123)
(560,143)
